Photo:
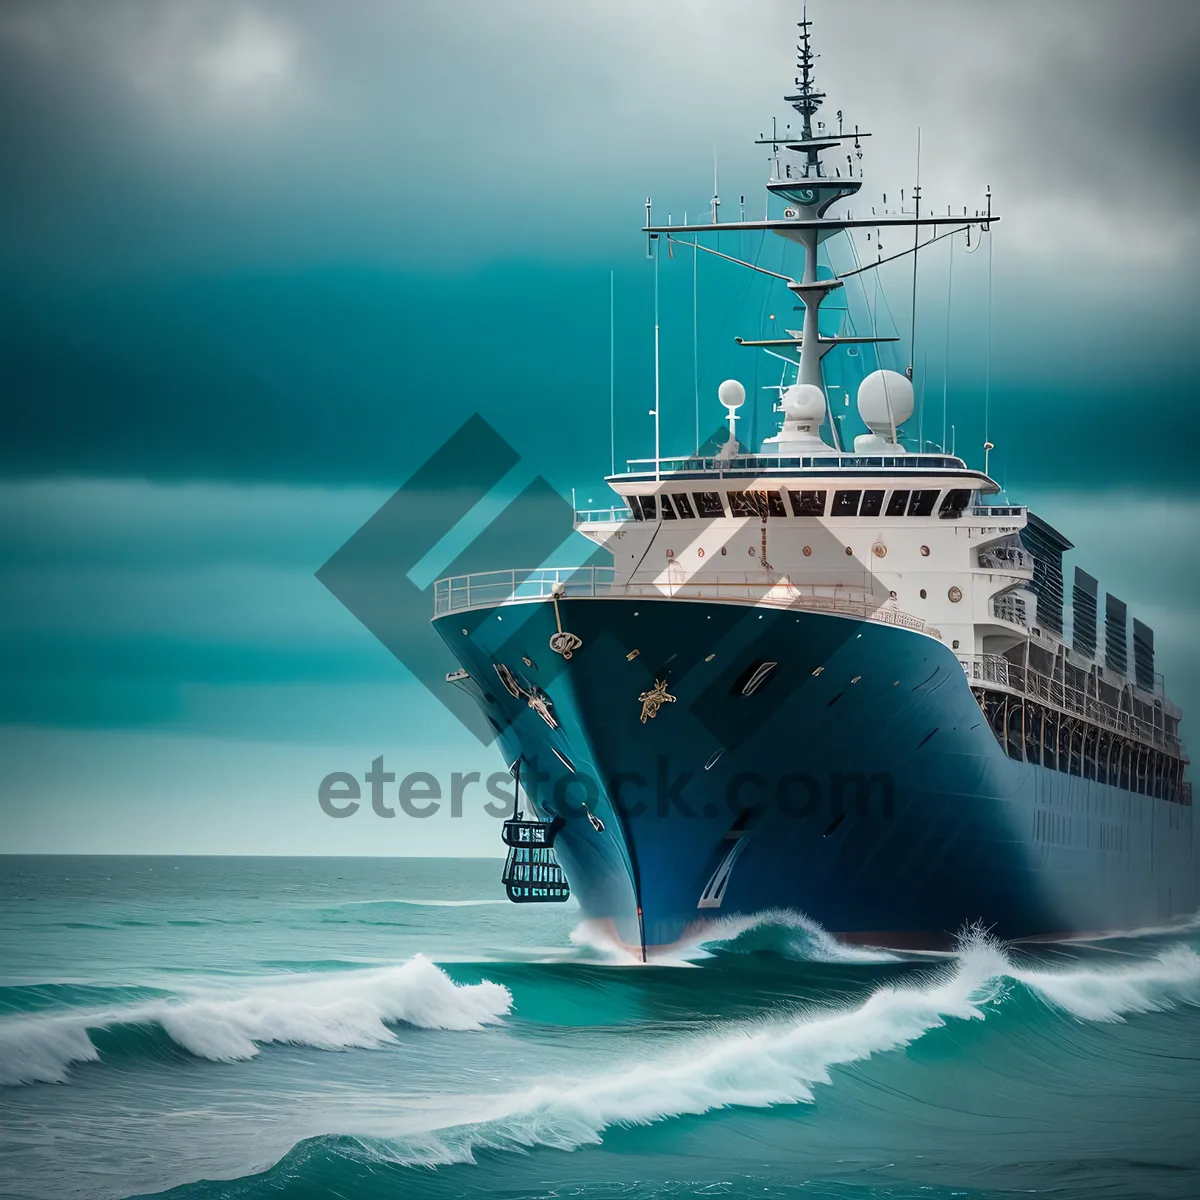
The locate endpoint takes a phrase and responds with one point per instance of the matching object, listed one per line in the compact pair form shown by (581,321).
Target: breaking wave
(779,931)
(787,933)
(336,1011)
(776,1061)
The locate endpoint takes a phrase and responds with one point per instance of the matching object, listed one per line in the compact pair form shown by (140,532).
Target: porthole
(700,552)
(724,550)
(670,553)
(879,550)
(891,595)
(924,594)
(955,595)
(807,551)
(924,551)
(848,550)
(750,551)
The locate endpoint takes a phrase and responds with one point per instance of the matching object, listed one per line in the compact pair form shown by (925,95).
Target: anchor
(562,642)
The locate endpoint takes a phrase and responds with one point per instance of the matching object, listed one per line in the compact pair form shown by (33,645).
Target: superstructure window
(954,503)
(808,504)
(756,504)
(845,504)
(649,507)
(667,511)
(872,504)
(897,504)
(708,504)
(921,503)
(635,507)
(683,506)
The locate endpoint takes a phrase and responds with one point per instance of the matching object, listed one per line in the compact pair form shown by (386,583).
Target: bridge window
(897,504)
(708,504)
(635,507)
(872,504)
(808,504)
(683,506)
(649,507)
(954,503)
(756,504)
(921,503)
(845,504)
(667,511)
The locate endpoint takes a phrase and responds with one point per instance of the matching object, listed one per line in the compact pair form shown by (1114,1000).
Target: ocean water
(242,1027)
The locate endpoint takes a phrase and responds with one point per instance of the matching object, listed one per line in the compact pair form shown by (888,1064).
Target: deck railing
(740,463)
(489,588)
(602,516)
(996,671)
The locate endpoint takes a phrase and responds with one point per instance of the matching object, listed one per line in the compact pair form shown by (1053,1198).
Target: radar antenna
(808,99)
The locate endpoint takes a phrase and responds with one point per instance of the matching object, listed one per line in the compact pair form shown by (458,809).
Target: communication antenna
(946,360)
(716,200)
(655,409)
(696,333)
(612,370)
(912,341)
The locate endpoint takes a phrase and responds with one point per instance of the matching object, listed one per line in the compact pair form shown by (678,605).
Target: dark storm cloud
(296,240)
(151,129)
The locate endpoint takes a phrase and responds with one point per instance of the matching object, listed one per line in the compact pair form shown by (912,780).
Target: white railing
(996,671)
(490,588)
(487,588)
(602,516)
(1002,510)
(741,463)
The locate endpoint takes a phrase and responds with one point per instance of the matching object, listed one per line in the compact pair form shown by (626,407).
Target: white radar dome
(731,394)
(885,399)
(804,403)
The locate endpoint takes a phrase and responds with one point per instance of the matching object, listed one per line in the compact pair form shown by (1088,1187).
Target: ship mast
(809,192)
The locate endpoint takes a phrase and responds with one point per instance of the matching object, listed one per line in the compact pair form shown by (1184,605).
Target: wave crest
(778,1061)
(338,1011)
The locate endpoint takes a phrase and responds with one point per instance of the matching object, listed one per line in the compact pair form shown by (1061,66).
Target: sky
(258,261)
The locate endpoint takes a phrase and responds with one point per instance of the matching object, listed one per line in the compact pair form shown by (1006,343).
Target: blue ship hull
(859,784)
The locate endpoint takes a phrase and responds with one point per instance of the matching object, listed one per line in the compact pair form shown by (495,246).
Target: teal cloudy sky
(259,260)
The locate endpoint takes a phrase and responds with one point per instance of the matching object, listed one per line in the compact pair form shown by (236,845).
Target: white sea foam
(335,1011)
(1170,978)
(787,932)
(770,1062)
(781,930)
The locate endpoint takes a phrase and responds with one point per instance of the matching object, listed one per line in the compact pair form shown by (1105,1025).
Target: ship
(821,677)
